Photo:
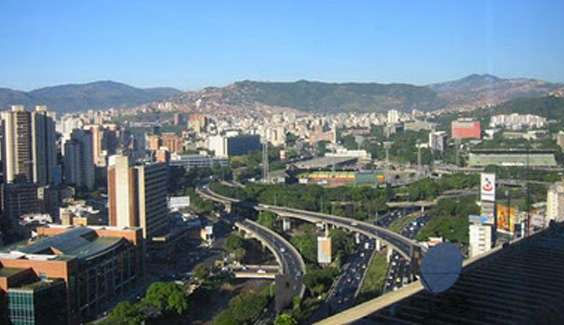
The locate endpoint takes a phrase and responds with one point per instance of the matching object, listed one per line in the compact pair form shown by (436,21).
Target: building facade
(480,236)
(137,195)
(79,159)
(197,161)
(69,274)
(44,147)
(438,141)
(17,145)
(555,202)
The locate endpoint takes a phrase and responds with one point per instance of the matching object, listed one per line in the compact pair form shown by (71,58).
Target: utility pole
(418,157)
(528,222)
(457,144)
(265,167)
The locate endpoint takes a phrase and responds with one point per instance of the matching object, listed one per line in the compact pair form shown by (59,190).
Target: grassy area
(450,220)
(398,224)
(375,276)
(454,229)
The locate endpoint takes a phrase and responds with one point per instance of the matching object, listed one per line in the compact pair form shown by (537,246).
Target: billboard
(323,250)
(466,130)
(506,218)
(481,220)
(487,187)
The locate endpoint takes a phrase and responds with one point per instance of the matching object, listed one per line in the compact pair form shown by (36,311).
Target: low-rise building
(555,202)
(69,274)
(480,236)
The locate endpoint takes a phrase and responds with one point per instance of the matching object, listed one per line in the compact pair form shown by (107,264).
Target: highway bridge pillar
(389,254)
(378,244)
(228,207)
(286,224)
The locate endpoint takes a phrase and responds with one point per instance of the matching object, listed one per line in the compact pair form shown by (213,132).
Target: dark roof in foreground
(520,284)
(81,242)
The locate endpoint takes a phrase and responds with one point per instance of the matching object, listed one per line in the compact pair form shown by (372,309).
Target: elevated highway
(292,266)
(256,271)
(405,246)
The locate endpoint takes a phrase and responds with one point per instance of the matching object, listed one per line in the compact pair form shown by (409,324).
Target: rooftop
(9,271)
(80,242)
(512,159)
(519,284)
(37,285)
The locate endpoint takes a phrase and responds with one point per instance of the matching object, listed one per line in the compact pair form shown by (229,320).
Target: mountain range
(310,96)
(80,97)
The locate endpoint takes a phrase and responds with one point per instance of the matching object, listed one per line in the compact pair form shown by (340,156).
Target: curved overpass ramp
(405,246)
(292,265)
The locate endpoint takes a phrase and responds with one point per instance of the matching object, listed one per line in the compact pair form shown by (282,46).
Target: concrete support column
(286,224)
(378,244)
(389,254)
(228,207)
(357,238)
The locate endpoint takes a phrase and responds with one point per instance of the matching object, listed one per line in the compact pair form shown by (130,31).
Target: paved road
(344,291)
(404,245)
(399,269)
(291,261)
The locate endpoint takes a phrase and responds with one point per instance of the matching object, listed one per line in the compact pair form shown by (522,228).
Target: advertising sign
(323,250)
(506,218)
(477,219)
(487,187)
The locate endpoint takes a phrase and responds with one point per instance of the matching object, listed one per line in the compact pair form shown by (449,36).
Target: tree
(239,254)
(167,296)
(201,271)
(267,219)
(125,313)
(285,319)
(234,242)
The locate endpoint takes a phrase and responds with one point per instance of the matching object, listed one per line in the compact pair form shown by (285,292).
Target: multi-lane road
(290,260)
(345,289)
(399,269)
(404,245)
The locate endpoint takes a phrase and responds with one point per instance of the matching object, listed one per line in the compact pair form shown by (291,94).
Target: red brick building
(68,274)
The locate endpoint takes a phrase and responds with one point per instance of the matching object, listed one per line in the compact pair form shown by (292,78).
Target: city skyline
(190,46)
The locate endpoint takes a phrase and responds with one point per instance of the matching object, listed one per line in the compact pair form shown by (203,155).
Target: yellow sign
(506,217)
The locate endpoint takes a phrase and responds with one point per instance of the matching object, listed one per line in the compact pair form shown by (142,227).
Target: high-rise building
(97,134)
(480,238)
(137,195)
(555,202)
(44,146)
(172,142)
(17,145)
(19,199)
(79,159)
(438,141)
(393,117)
(151,198)
(197,122)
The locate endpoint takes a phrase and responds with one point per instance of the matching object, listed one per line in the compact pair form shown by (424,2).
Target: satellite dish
(441,267)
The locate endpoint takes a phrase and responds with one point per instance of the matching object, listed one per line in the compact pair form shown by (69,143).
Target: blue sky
(192,44)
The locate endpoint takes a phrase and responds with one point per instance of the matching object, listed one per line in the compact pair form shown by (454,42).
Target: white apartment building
(555,202)
(393,116)
(480,239)
(438,141)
